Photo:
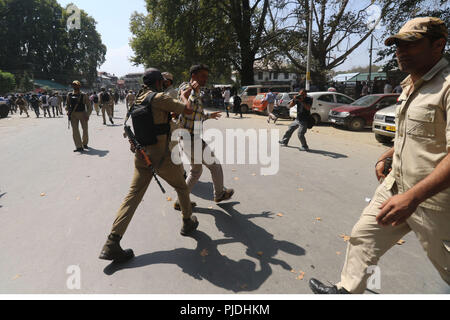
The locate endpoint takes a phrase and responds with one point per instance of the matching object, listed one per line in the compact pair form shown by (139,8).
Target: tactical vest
(145,129)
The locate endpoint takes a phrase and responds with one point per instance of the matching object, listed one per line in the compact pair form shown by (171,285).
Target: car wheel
(244,108)
(383,139)
(357,124)
(4,111)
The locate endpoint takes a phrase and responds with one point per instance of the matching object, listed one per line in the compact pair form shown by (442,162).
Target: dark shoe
(113,252)
(225,196)
(304,149)
(282,144)
(78,150)
(110,119)
(189,226)
(86,147)
(104,123)
(319,288)
(177,206)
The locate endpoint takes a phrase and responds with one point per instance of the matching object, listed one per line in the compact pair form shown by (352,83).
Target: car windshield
(365,101)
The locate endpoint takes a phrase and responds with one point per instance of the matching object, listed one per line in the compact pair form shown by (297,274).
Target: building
(133,81)
(106,80)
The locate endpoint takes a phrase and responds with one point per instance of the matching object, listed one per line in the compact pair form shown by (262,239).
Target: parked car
(323,102)
(4,107)
(384,124)
(285,98)
(360,113)
(249,93)
(259,105)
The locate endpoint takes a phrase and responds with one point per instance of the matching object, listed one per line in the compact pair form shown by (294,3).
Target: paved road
(57,208)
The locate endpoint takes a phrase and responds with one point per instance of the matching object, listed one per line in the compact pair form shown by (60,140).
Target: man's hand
(379,169)
(215,115)
(188,110)
(195,86)
(397,210)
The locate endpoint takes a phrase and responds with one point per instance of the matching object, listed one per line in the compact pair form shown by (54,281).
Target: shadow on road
(114,125)
(205,262)
(95,152)
(204,190)
(324,153)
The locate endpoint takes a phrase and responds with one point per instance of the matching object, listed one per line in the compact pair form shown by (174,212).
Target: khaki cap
(77,83)
(418,28)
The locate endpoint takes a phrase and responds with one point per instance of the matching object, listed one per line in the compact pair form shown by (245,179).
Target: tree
(248,21)
(178,33)
(335,22)
(35,39)
(7,82)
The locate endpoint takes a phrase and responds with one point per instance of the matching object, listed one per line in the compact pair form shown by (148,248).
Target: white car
(323,102)
(384,124)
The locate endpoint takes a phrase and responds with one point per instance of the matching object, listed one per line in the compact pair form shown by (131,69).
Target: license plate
(392,129)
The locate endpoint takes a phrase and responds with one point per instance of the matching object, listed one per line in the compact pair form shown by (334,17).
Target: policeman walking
(78,108)
(415,196)
(161,106)
(107,105)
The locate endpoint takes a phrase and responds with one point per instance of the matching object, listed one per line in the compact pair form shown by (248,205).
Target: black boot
(319,288)
(189,226)
(113,252)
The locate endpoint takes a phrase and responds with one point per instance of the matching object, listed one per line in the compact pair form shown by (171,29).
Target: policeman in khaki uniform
(107,106)
(78,102)
(162,105)
(22,104)
(415,196)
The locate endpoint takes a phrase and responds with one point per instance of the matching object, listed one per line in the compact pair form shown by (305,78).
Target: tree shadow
(206,262)
(323,153)
(95,152)
(204,190)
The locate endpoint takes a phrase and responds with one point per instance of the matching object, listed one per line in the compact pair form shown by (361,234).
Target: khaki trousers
(171,173)
(22,108)
(78,117)
(370,241)
(197,168)
(97,108)
(109,110)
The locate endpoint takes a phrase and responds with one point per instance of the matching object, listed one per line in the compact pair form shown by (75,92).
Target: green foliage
(7,82)
(35,39)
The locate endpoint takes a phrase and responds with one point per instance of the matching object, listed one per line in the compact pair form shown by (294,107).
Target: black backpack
(95,99)
(105,97)
(44,99)
(145,130)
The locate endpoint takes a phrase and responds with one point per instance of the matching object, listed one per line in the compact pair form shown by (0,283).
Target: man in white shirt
(226,99)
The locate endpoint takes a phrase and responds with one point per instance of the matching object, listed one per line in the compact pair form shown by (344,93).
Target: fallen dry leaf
(400,242)
(204,253)
(280,214)
(345,237)
(338,253)
(236,178)
(169,199)
(301,276)
(293,271)
(234,170)
(254,174)
(17,276)
(319,219)
(43,194)
(301,189)
(77,198)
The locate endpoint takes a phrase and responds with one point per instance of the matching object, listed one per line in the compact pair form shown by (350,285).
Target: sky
(113,18)
(113,24)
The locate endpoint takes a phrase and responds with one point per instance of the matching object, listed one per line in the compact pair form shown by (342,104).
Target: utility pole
(370,65)
(308,63)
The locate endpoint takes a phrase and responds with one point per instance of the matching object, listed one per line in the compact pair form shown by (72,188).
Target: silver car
(323,103)
(384,124)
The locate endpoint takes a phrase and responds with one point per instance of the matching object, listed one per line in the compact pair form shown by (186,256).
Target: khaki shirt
(423,132)
(162,106)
